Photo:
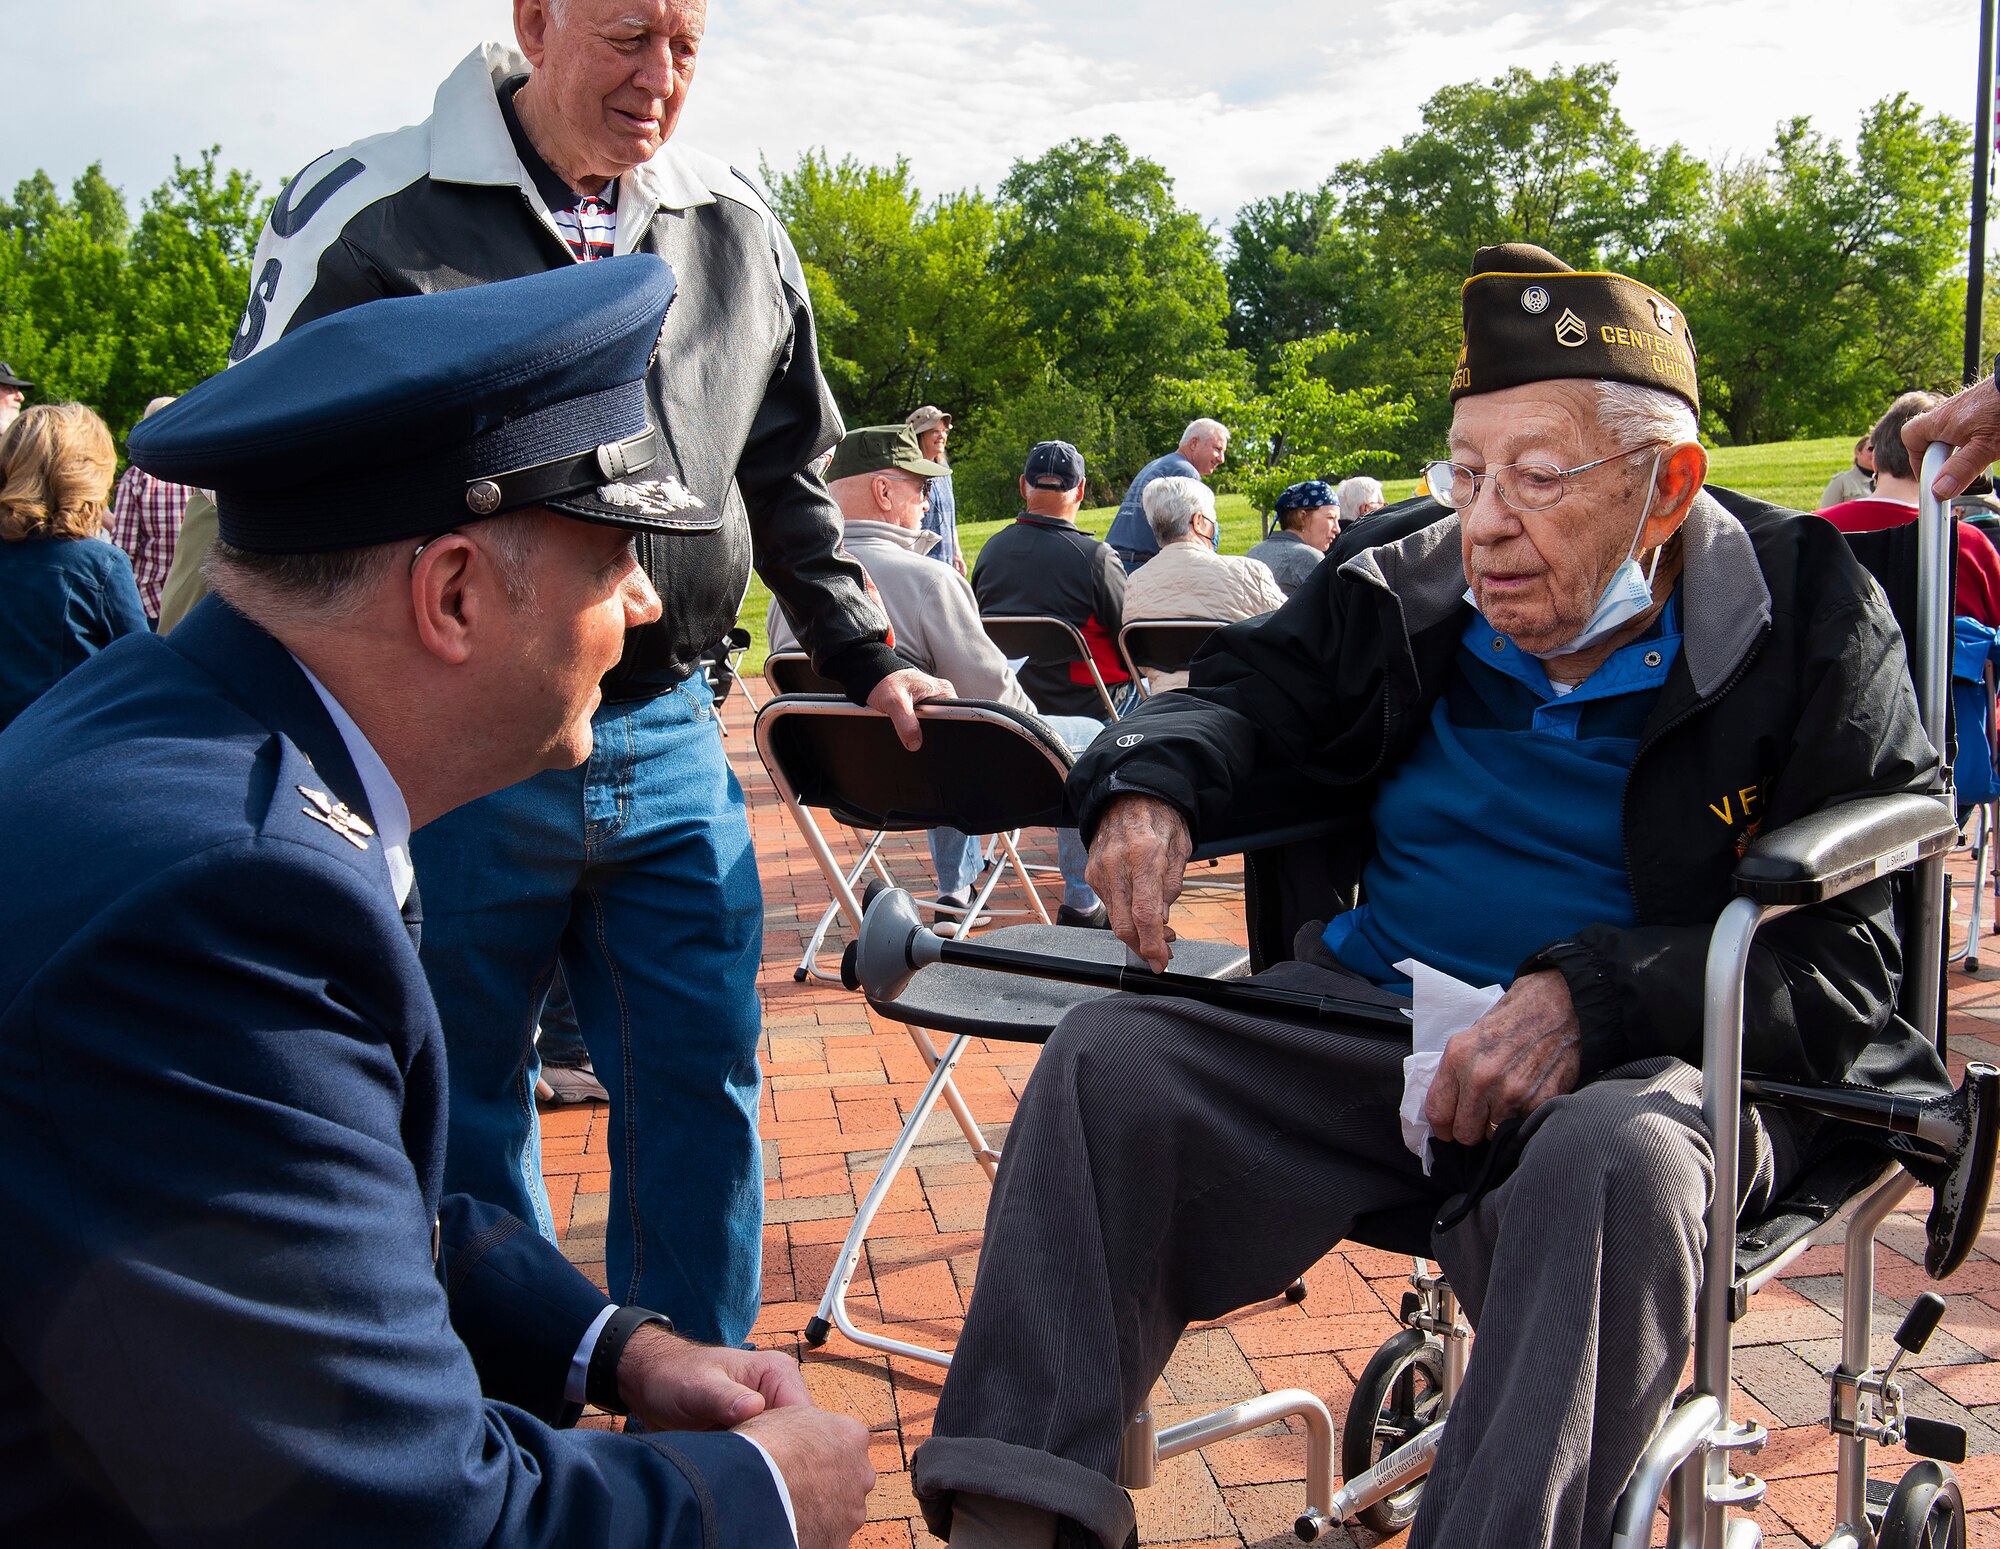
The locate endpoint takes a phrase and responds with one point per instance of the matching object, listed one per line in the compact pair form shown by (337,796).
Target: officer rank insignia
(336,815)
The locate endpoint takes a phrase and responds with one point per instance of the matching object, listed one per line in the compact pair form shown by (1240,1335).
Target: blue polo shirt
(1504,828)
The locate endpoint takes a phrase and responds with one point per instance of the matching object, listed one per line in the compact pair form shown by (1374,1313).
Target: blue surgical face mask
(1628,594)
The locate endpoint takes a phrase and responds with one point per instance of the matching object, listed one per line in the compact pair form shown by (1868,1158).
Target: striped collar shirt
(145,522)
(588,222)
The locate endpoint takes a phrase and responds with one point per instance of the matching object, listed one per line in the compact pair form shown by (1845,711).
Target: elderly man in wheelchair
(1550,711)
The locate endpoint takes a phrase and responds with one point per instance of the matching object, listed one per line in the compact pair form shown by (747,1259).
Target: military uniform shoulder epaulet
(304,811)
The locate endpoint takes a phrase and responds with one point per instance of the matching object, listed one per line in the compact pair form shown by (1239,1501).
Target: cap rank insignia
(336,815)
(653,497)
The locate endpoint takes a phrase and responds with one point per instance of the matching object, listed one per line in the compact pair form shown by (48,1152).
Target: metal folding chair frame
(844,880)
(1131,659)
(832,1312)
(1043,620)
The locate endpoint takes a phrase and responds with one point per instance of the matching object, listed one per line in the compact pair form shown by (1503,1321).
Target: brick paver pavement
(838,1082)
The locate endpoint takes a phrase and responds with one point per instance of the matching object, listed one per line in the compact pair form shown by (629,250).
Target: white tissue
(1441,1008)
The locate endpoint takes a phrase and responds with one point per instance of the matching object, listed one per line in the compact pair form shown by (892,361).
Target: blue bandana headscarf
(1303,497)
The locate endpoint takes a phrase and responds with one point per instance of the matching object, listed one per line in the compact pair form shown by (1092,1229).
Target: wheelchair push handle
(1920,1322)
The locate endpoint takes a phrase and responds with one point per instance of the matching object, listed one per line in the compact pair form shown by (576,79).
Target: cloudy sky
(1236,100)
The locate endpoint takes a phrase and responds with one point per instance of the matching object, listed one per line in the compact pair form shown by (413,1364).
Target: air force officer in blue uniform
(234,1309)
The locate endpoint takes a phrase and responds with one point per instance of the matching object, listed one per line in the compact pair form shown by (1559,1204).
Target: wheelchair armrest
(1838,849)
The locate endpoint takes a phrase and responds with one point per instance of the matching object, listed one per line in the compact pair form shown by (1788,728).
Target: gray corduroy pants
(1173,1162)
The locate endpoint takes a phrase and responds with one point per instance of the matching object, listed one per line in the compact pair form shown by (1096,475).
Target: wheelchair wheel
(1399,1392)
(1926,1511)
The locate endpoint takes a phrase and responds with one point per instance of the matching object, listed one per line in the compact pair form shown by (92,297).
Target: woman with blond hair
(64,593)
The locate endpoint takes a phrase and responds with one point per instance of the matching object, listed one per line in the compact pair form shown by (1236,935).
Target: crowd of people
(367,706)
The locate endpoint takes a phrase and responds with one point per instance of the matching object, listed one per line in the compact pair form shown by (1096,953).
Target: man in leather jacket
(638,868)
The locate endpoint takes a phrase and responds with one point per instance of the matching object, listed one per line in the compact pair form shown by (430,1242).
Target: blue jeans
(955,856)
(637,871)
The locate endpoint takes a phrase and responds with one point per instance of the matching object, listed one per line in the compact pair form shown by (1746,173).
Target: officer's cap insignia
(650,497)
(1571,330)
(482,497)
(1664,315)
(336,815)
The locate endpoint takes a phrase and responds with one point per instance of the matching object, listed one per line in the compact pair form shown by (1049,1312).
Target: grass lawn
(1788,473)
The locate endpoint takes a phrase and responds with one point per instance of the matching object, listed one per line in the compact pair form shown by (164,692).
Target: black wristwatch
(600,1382)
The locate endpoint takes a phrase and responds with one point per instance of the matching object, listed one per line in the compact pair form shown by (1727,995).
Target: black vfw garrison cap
(1529,317)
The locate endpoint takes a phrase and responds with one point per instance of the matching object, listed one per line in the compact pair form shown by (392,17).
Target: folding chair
(983,768)
(735,646)
(1165,645)
(792,672)
(793,675)
(1047,642)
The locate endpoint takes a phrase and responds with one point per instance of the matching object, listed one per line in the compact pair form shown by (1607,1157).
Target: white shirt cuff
(579,1364)
(777,1478)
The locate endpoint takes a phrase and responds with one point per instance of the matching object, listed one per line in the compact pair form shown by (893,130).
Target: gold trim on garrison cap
(1530,317)
(878,448)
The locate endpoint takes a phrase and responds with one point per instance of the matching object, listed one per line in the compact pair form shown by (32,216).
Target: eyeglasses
(1529,486)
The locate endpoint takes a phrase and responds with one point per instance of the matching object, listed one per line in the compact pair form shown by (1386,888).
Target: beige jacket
(930,608)
(1191,581)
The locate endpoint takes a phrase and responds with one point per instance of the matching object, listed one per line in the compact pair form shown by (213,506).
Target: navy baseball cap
(1054,465)
(1304,496)
(410,416)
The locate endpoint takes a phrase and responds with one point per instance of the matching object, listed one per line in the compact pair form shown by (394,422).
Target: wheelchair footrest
(1938,1439)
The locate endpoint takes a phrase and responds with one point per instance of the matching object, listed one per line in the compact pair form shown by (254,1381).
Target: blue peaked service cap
(406,417)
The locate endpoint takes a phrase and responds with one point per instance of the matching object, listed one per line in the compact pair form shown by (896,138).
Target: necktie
(413,917)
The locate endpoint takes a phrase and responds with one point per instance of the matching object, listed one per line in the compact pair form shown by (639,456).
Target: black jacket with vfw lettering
(736,388)
(1790,693)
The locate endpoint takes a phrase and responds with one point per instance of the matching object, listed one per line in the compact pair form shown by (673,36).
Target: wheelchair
(1695,1463)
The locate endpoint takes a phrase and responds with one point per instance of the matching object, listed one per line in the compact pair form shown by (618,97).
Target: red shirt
(1977,594)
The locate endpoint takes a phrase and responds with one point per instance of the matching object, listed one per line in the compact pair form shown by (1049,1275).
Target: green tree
(65,267)
(1120,288)
(1302,426)
(904,299)
(96,310)
(1292,270)
(188,272)
(1828,284)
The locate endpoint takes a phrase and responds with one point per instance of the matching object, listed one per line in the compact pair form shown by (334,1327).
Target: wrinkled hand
(898,695)
(673,1384)
(1137,857)
(1969,421)
(824,1458)
(1524,1051)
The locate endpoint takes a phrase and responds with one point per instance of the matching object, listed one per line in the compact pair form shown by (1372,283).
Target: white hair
(1205,430)
(1171,504)
(1357,492)
(1632,415)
